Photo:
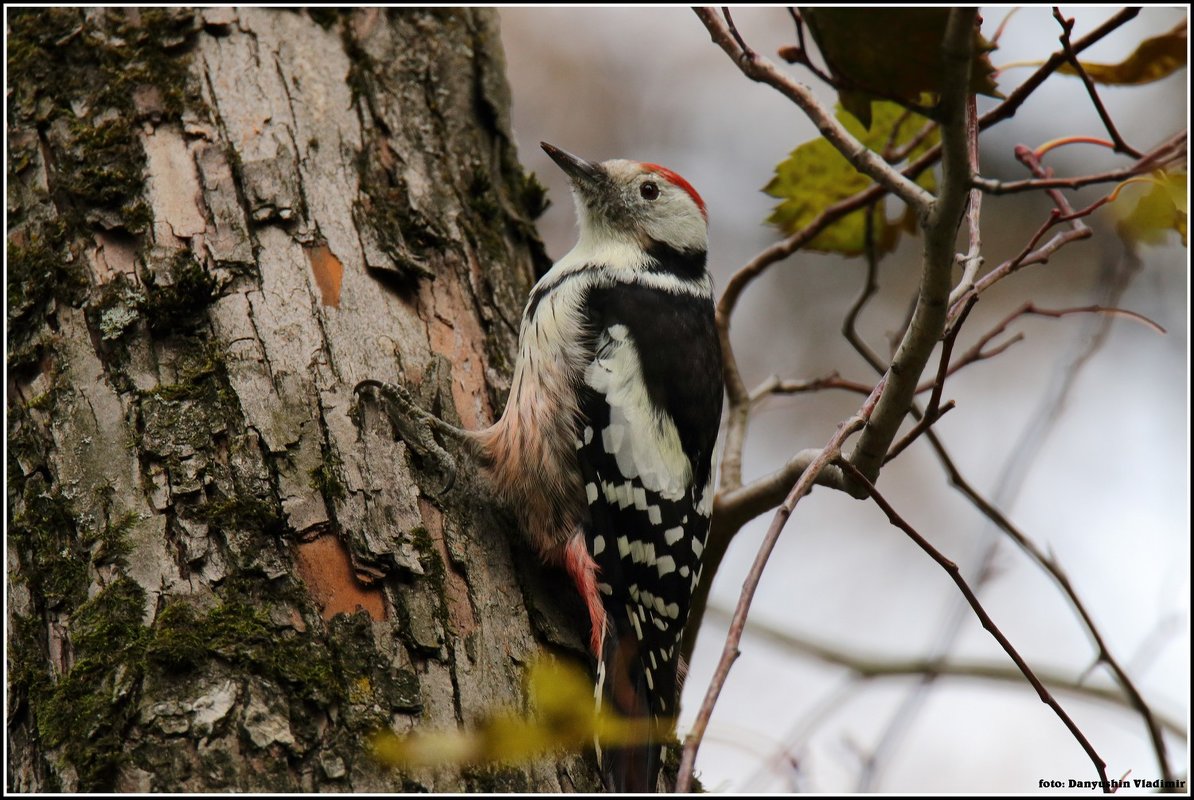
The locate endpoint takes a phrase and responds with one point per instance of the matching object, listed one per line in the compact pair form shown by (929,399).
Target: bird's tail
(623,693)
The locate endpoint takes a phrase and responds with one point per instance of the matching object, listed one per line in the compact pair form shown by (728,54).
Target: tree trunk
(221,576)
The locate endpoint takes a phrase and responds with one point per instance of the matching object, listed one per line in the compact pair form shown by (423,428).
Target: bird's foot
(417,428)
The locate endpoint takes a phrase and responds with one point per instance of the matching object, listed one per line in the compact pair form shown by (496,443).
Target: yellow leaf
(565,717)
(1158,211)
(815,176)
(1154,59)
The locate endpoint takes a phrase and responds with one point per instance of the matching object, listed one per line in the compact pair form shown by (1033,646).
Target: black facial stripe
(686,264)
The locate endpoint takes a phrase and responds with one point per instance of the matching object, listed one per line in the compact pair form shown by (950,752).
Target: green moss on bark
(61,57)
(102,172)
(45,536)
(87,712)
(183,640)
(40,268)
(325,478)
(177,307)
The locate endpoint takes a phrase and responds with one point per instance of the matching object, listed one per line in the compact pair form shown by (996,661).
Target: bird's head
(639,203)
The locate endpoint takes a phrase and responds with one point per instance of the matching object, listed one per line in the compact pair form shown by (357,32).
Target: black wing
(650,407)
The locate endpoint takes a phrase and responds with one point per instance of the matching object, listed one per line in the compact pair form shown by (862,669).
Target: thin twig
(802,56)
(956,576)
(1031,254)
(1021,93)
(934,411)
(1067,27)
(730,652)
(976,353)
(1046,562)
(898,154)
(738,413)
(735,506)
(1055,571)
(1162,155)
(875,666)
(869,288)
(1159,157)
(775,386)
(889,145)
(923,424)
(1110,311)
(746,51)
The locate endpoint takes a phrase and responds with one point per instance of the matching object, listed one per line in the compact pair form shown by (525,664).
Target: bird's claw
(415,427)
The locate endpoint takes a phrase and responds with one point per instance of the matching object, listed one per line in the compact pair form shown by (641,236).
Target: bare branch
(895,155)
(992,513)
(1159,157)
(1067,27)
(934,411)
(741,505)
(738,504)
(956,576)
(781,250)
(738,413)
(940,230)
(1011,105)
(978,351)
(861,157)
(927,421)
(775,386)
(972,262)
(800,54)
(1031,254)
(874,666)
(1054,569)
(869,287)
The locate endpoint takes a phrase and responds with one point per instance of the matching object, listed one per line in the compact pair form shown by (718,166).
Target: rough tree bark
(219,222)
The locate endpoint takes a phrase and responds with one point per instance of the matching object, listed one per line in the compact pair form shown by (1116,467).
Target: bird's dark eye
(649,190)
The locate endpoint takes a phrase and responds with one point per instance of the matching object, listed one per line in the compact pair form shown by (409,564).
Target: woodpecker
(605,447)
(604,450)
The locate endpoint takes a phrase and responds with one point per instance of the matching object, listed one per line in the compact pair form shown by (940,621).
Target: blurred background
(1104,486)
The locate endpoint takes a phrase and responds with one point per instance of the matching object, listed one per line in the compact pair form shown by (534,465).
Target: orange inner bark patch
(325,567)
(454,332)
(460,608)
(329,273)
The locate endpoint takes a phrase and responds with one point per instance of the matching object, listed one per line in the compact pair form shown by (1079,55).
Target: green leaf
(891,52)
(1158,212)
(816,175)
(1154,59)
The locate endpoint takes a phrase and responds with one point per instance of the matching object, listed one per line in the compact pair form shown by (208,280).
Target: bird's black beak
(584,174)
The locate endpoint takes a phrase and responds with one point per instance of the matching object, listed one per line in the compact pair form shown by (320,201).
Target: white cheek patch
(676,220)
(643,441)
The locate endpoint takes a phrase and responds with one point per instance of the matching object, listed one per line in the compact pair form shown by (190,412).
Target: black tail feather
(624,689)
